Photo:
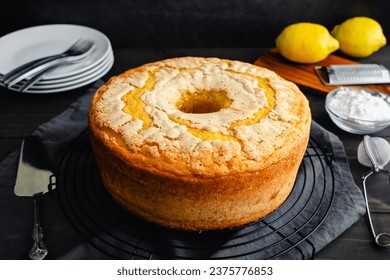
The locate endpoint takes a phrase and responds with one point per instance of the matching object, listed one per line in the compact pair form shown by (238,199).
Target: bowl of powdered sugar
(358,110)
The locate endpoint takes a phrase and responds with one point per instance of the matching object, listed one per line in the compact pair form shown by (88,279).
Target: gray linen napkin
(64,241)
(16,213)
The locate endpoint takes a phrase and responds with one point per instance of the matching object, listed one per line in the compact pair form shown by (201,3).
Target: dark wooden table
(21,113)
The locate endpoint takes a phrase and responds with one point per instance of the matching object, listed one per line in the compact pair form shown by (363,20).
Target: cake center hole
(203,101)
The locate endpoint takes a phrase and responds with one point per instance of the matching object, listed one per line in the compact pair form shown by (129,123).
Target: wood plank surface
(303,74)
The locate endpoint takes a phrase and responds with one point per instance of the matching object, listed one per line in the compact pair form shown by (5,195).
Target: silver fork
(79,50)
(38,76)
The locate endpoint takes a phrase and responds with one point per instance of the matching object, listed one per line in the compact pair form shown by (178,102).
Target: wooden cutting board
(303,74)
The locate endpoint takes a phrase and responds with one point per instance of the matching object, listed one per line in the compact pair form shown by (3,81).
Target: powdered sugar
(361,104)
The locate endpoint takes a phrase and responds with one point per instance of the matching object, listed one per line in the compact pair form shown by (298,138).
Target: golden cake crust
(230,164)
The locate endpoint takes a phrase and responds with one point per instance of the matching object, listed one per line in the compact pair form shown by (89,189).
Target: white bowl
(342,105)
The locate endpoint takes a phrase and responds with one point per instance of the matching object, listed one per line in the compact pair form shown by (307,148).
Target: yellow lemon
(306,42)
(359,36)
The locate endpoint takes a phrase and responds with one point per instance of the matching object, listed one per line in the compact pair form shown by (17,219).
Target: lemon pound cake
(199,143)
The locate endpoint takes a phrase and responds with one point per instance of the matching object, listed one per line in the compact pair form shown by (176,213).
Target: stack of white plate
(25,45)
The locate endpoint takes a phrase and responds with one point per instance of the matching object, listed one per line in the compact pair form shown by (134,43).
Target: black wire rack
(120,235)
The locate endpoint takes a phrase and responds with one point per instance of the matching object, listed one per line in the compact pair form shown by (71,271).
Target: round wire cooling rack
(120,235)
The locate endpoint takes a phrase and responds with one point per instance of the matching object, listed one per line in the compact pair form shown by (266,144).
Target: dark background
(189,23)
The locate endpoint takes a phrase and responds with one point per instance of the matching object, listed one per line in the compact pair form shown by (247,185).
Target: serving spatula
(33,180)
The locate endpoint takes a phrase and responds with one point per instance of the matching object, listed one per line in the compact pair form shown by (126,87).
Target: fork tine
(86,49)
(80,46)
(75,45)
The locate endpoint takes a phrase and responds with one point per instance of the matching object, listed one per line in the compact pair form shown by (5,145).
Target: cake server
(33,179)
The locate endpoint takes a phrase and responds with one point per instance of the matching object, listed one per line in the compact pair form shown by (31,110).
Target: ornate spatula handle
(38,251)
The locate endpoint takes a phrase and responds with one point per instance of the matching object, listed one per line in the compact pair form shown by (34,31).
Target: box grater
(353,74)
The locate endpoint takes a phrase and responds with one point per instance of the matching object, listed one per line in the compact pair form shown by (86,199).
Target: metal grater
(353,74)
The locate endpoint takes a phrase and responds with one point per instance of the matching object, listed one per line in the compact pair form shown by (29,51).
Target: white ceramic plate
(31,43)
(79,82)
